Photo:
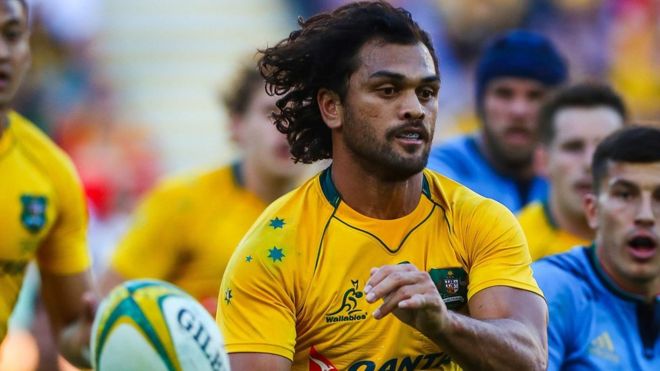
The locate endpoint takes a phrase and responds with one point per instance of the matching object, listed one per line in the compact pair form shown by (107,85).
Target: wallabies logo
(348,311)
(33,216)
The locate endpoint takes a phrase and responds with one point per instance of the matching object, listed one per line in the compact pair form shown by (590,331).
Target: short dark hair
(238,97)
(322,54)
(582,95)
(632,144)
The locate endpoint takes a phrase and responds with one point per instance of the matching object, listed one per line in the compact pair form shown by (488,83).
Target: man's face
(510,109)
(14,49)
(577,133)
(625,215)
(259,140)
(390,109)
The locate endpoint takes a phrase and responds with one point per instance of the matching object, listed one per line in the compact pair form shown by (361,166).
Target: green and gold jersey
(186,229)
(543,236)
(294,287)
(43,213)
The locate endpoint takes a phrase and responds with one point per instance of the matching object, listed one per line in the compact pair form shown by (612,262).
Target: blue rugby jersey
(593,324)
(460,160)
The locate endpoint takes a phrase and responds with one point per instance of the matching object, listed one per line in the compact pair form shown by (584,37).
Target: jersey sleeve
(64,250)
(256,305)
(152,245)
(496,249)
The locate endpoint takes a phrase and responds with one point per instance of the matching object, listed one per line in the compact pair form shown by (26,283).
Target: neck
(368,194)
(518,171)
(648,289)
(576,225)
(267,187)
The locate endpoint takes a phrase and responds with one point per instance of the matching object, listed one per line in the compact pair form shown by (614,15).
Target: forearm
(73,344)
(501,344)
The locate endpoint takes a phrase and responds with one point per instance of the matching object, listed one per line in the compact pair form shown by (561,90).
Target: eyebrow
(623,183)
(400,77)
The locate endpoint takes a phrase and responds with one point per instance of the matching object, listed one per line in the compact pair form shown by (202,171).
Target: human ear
(330,108)
(541,160)
(591,209)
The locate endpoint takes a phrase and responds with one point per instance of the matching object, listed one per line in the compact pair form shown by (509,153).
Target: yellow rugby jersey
(43,213)
(543,236)
(186,229)
(294,286)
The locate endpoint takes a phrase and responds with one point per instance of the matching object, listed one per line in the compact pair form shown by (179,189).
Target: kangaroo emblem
(349,301)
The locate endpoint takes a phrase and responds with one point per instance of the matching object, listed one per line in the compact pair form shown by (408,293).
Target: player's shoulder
(532,215)
(459,200)
(194,182)
(40,149)
(460,145)
(565,276)
(300,214)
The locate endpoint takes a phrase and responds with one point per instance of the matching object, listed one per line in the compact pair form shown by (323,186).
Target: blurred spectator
(635,55)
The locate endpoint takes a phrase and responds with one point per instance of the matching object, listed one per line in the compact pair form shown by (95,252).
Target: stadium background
(130,88)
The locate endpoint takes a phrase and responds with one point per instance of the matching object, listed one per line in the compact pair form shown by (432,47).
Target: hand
(75,337)
(410,294)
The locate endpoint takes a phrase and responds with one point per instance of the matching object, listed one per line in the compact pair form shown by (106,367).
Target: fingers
(400,286)
(379,274)
(393,301)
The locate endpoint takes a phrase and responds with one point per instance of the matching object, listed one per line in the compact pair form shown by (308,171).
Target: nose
(520,106)
(645,216)
(411,107)
(588,156)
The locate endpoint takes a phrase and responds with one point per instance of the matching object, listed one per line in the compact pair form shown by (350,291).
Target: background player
(360,86)
(42,208)
(186,228)
(571,124)
(604,299)
(514,74)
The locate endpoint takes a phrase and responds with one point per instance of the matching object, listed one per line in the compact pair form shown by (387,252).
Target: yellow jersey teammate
(571,124)
(187,228)
(42,207)
(376,264)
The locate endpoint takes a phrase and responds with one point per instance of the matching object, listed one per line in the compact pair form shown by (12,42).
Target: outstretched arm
(506,329)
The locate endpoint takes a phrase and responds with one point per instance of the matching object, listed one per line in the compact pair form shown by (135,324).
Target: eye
(387,91)
(623,194)
(427,93)
(573,146)
(12,34)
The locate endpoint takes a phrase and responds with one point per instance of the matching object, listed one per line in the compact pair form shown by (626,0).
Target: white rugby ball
(153,325)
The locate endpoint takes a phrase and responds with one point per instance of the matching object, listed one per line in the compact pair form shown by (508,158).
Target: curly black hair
(323,54)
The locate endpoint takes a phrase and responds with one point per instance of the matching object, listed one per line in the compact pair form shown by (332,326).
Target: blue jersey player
(604,300)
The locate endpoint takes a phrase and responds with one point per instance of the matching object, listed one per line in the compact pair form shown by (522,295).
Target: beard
(378,155)
(509,159)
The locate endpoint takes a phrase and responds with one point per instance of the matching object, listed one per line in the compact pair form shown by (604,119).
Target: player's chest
(27,211)
(614,338)
(336,319)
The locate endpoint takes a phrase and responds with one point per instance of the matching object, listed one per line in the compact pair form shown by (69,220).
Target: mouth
(518,135)
(642,246)
(410,134)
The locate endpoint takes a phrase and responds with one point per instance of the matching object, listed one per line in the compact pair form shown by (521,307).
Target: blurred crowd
(72,94)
